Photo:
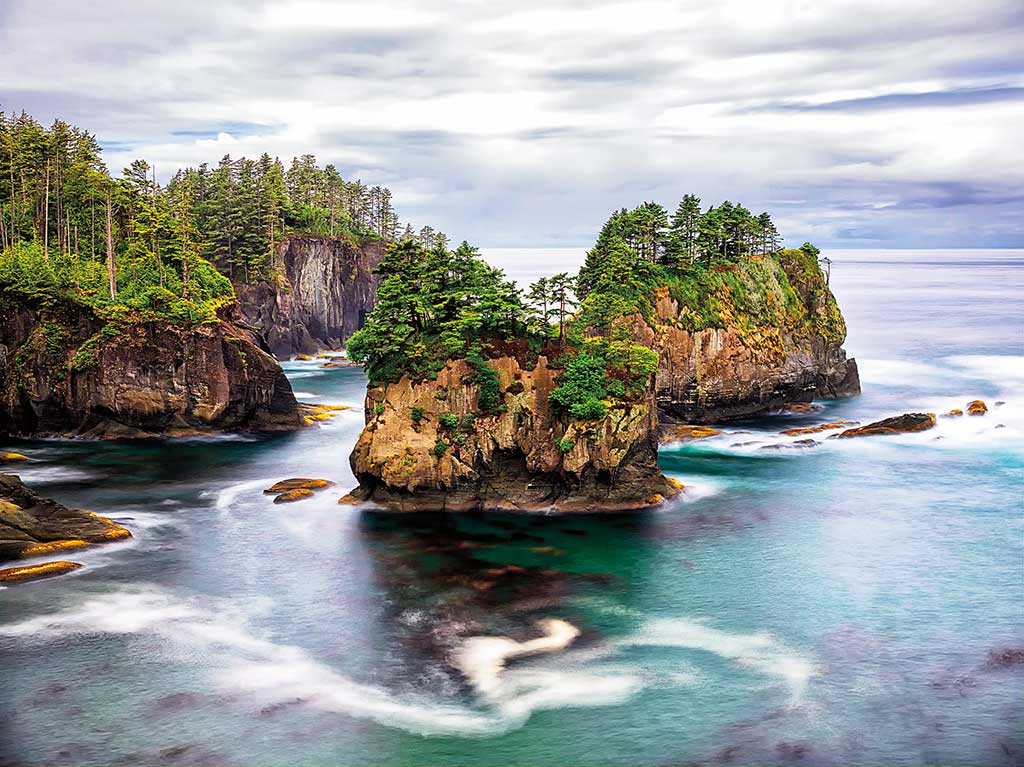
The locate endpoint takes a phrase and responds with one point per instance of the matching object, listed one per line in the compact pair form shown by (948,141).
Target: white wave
(760,651)
(216,632)
(1005,372)
(226,498)
(42,474)
(302,395)
(696,489)
(887,372)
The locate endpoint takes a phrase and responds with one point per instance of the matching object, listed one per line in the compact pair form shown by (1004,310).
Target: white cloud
(526,123)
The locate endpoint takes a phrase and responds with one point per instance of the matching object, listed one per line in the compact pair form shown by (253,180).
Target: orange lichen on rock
(12,457)
(314,413)
(294,495)
(32,572)
(116,534)
(801,407)
(954,413)
(51,547)
(821,427)
(297,483)
(976,407)
(686,433)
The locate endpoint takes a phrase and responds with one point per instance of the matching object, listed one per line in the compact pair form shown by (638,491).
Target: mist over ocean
(843,604)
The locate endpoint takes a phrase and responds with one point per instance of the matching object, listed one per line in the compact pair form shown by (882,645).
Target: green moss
(564,445)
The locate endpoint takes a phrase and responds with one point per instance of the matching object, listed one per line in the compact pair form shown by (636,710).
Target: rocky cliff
(66,371)
(747,339)
(326,287)
(424,448)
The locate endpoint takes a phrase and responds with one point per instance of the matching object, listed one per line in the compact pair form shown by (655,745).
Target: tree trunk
(110,250)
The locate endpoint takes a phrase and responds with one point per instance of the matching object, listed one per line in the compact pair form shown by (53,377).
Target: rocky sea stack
(747,338)
(484,398)
(427,446)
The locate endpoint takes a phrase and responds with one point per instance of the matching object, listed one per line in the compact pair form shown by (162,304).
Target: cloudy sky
(863,123)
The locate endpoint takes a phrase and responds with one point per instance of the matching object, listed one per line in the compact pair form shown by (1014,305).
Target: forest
(67,224)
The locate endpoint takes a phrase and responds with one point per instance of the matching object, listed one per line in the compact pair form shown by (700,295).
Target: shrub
(440,447)
(564,445)
(448,421)
(582,387)
(616,388)
(417,414)
(378,408)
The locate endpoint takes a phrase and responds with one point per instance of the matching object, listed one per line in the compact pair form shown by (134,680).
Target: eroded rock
(976,407)
(816,429)
(35,572)
(901,424)
(297,483)
(31,525)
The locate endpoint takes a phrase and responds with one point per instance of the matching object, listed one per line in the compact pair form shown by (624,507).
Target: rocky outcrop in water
(724,360)
(31,525)
(900,424)
(424,449)
(65,371)
(325,290)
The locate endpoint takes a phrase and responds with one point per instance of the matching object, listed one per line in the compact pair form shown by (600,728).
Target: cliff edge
(427,446)
(743,339)
(324,288)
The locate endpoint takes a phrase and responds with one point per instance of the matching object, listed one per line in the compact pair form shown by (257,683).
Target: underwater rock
(901,424)
(1006,658)
(976,407)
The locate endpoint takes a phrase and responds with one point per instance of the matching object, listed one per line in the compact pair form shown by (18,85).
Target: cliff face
(326,290)
(423,449)
(769,333)
(63,371)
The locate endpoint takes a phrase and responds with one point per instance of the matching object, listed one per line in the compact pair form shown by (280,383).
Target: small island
(485,398)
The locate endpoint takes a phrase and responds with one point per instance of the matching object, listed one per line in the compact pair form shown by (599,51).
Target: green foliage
(379,408)
(488,385)
(581,387)
(564,445)
(448,421)
(417,414)
(433,306)
(440,447)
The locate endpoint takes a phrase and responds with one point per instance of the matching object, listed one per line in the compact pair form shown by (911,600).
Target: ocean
(849,604)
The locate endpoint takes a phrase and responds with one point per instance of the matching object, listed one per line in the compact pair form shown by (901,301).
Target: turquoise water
(828,606)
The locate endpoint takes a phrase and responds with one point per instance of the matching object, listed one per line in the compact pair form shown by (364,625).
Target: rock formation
(65,371)
(900,424)
(326,288)
(423,448)
(769,335)
(31,525)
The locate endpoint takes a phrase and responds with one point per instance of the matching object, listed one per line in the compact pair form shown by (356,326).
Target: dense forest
(66,223)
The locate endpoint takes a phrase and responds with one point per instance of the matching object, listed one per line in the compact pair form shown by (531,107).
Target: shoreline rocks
(37,572)
(902,424)
(32,525)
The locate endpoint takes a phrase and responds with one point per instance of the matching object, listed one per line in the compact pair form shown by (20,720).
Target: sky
(863,124)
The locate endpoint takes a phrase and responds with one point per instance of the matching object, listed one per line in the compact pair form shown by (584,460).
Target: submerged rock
(976,407)
(901,424)
(31,525)
(35,572)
